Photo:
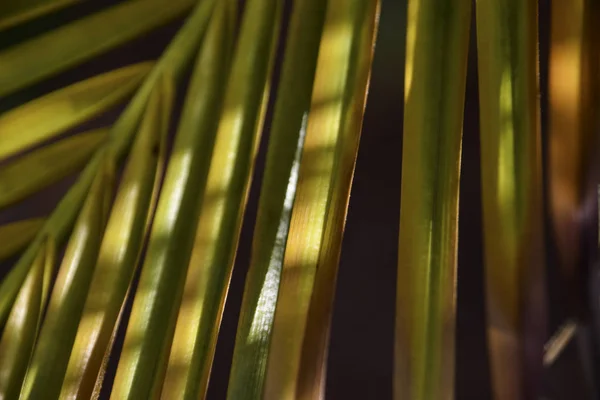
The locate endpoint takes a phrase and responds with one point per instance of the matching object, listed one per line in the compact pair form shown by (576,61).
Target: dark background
(361,349)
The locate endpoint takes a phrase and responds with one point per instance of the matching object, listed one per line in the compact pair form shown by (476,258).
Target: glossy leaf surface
(299,343)
(276,199)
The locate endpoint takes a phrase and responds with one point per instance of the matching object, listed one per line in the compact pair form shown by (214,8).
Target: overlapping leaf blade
(143,363)
(512,194)
(276,199)
(20,332)
(173,63)
(45,118)
(120,249)
(47,165)
(435,77)
(51,355)
(16,235)
(299,343)
(223,204)
(39,58)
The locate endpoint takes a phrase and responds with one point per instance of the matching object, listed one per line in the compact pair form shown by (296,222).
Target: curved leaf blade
(49,116)
(223,204)
(295,367)
(47,165)
(435,79)
(22,327)
(276,199)
(15,12)
(119,251)
(38,58)
(15,236)
(173,62)
(51,355)
(142,365)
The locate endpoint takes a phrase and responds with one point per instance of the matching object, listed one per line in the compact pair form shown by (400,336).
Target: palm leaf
(301,325)
(223,204)
(16,235)
(51,355)
(22,327)
(15,12)
(147,341)
(38,58)
(119,251)
(45,118)
(47,165)
(276,201)
(435,76)
(512,194)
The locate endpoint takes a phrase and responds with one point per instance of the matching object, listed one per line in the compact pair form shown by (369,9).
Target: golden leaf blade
(223,205)
(119,251)
(295,368)
(143,363)
(51,115)
(276,200)
(173,62)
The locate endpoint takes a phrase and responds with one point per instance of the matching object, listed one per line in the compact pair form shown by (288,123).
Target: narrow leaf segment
(512,194)
(437,43)
(298,350)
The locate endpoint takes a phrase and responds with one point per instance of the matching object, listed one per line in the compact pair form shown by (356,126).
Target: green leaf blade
(435,77)
(38,58)
(20,332)
(277,194)
(45,118)
(119,251)
(16,235)
(512,195)
(51,355)
(47,165)
(301,326)
(142,367)
(15,12)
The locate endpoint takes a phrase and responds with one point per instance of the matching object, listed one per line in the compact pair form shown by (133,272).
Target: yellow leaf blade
(278,189)
(119,251)
(49,116)
(51,355)
(47,165)
(301,326)
(20,332)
